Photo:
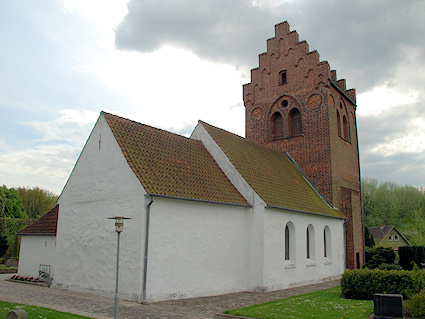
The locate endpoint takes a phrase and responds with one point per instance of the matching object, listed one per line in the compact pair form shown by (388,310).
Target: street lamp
(119,227)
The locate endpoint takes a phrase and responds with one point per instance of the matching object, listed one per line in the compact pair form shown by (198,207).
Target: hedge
(410,254)
(364,283)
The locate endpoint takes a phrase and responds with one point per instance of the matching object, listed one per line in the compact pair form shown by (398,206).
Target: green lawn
(324,304)
(36,312)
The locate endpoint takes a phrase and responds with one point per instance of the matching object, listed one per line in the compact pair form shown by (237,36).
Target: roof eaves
(36,234)
(305,212)
(198,200)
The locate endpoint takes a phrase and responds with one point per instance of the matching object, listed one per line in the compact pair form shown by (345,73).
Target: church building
(219,213)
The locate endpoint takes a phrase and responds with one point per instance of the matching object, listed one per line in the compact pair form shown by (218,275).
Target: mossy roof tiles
(45,225)
(271,174)
(172,165)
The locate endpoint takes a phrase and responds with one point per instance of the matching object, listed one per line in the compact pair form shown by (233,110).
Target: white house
(38,245)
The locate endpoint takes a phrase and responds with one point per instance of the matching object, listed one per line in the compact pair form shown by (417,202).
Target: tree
(393,204)
(36,201)
(368,238)
(10,203)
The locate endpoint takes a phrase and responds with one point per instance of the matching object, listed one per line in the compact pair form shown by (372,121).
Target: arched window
(277,126)
(295,122)
(310,244)
(338,122)
(345,127)
(289,245)
(327,243)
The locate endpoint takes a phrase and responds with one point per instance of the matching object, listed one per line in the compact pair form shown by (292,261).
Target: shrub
(364,283)
(384,266)
(378,255)
(415,306)
(411,254)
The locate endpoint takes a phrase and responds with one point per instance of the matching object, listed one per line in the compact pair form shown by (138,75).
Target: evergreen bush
(411,254)
(415,306)
(377,256)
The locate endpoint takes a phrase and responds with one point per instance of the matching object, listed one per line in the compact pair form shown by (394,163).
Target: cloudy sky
(169,63)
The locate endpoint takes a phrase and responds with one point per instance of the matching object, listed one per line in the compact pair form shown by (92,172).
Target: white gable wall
(36,250)
(196,249)
(100,186)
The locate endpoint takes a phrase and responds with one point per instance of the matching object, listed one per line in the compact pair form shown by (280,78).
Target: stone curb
(222,315)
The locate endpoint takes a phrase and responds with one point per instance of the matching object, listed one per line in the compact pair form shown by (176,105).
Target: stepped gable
(303,69)
(172,165)
(45,225)
(271,174)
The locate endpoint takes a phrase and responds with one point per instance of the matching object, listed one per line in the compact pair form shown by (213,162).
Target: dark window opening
(358,260)
(325,244)
(277,126)
(308,243)
(285,103)
(282,77)
(295,122)
(287,243)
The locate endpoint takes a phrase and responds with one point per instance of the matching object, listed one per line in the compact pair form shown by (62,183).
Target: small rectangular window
(282,77)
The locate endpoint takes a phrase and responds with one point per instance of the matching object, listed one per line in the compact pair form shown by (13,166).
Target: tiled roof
(45,225)
(172,165)
(379,233)
(272,175)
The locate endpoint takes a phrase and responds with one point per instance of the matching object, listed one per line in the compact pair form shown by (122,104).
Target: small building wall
(299,270)
(36,250)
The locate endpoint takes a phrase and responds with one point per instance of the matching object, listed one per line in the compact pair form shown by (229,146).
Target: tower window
(345,127)
(295,122)
(277,126)
(338,123)
(282,77)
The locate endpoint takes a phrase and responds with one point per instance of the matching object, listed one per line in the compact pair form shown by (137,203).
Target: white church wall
(36,250)
(256,217)
(299,270)
(100,186)
(196,249)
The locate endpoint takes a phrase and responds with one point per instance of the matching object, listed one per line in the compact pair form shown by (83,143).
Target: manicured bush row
(410,254)
(364,283)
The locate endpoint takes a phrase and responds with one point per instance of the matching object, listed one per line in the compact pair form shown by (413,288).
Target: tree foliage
(400,205)
(10,203)
(36,201)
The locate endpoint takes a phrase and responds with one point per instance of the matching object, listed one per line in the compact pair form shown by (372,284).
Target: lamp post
(119,227)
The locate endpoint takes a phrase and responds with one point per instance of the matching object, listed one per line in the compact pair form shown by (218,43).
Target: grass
(324,304)
(34,312)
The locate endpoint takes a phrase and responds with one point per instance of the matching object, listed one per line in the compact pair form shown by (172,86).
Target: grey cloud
(403,167)
(364,39)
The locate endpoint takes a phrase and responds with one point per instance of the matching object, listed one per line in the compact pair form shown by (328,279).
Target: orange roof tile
(272,175)
(172,165)
(45,225)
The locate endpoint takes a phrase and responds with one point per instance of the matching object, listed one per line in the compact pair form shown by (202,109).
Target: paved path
(103,308)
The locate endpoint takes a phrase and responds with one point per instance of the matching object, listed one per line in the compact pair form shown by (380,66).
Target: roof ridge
(143,124)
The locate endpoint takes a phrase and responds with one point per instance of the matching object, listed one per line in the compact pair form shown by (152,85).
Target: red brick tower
(295,104)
